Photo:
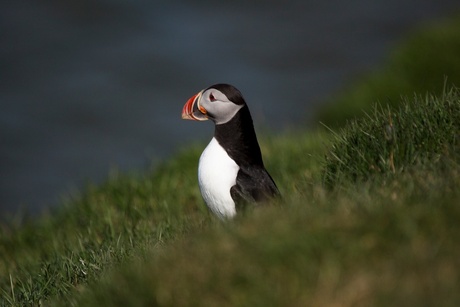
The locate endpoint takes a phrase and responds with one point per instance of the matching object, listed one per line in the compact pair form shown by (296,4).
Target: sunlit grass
(386,143)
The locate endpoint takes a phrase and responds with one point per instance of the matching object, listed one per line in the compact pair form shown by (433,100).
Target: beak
(193,110)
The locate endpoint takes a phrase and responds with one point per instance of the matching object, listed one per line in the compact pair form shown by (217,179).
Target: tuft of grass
(388,142)
(421,64)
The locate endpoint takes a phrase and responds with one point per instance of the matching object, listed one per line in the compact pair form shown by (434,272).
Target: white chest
(216,175)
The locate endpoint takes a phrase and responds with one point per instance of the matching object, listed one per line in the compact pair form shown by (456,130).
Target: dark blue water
(89,86)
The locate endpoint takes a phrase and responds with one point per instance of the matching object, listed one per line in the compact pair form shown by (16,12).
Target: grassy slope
(380,241)
(108,225)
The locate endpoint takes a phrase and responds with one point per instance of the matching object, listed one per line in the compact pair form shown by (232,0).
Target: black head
(232,93)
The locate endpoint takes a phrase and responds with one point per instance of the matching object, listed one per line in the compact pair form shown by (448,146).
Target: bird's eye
(211,97)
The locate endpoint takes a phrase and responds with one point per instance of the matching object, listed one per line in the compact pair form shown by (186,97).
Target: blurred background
(91,86)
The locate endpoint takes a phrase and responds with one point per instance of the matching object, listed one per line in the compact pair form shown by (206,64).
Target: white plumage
(216,175)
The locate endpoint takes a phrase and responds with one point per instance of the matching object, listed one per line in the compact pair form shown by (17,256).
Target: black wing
(253,185)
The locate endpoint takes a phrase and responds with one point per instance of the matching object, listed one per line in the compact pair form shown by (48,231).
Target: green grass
(388,142)
(106,226)
(395,252)
(369,216)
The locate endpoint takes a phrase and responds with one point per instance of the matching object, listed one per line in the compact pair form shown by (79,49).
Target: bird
(231,172)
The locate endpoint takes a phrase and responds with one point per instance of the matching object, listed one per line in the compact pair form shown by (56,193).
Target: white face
(218,107)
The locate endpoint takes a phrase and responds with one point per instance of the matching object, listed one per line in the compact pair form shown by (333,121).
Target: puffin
(231,172)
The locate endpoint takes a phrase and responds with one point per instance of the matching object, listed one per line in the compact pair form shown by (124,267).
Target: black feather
(238,138)
(253,185)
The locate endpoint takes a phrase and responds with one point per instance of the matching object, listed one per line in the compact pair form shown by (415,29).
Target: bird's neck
(239,139)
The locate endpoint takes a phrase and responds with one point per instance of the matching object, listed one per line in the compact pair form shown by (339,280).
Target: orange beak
(193,110)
